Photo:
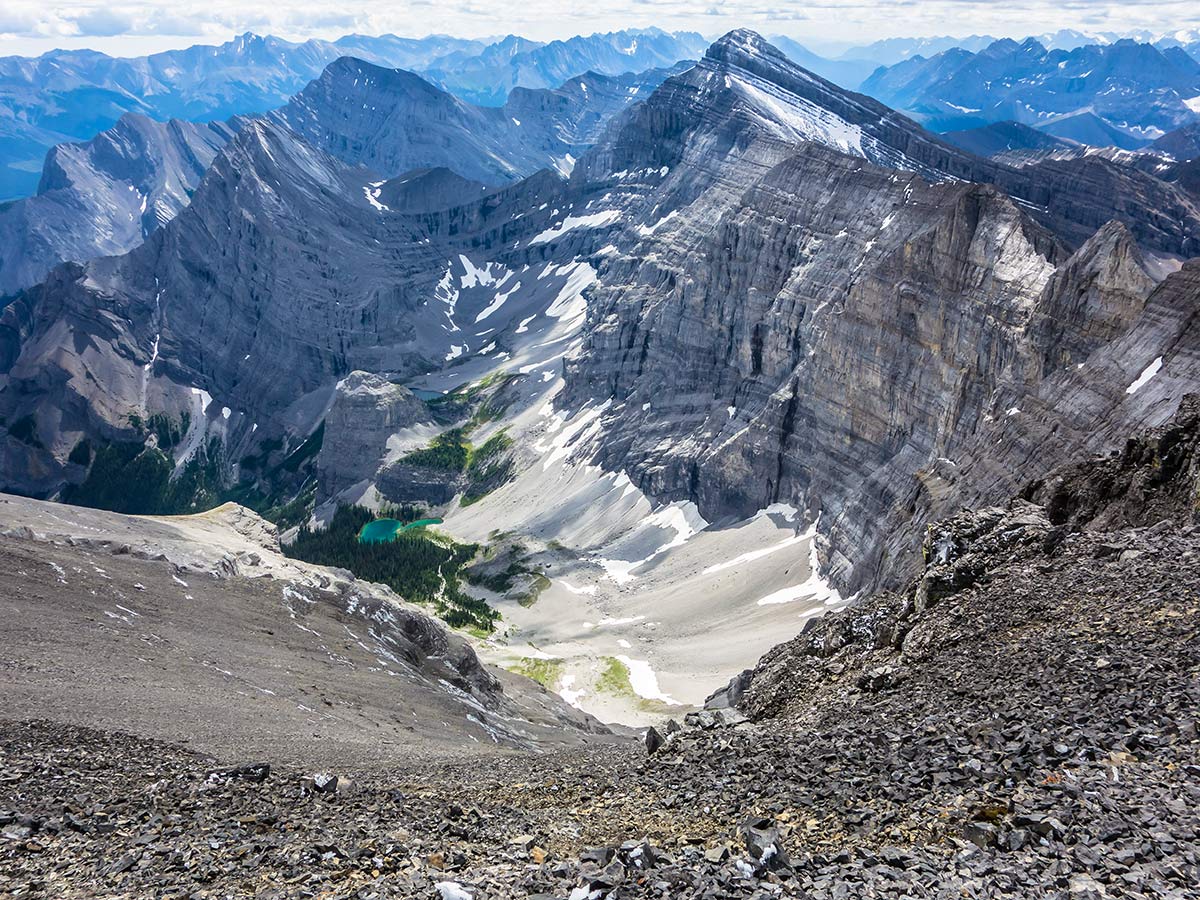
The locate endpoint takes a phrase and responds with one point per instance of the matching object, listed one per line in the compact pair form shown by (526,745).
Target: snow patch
(762,552)
(1147,373)
(644,682)
(570,223)
(645,230)
(798,118)
(567,692)
(371,192)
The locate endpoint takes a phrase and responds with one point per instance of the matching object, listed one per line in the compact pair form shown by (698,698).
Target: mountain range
(66,96)
(667,211)
(104,196)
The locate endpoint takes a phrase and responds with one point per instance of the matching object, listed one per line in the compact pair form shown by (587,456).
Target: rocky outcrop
(1091,300)
(403,483)
(1100,518)
(1154,478)
(366,410)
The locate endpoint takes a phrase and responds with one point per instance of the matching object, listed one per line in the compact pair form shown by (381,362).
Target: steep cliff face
(254,297)
(849,324)
(102,197)
(1092,299)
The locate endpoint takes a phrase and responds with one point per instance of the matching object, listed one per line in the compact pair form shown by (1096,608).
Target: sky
(29,27)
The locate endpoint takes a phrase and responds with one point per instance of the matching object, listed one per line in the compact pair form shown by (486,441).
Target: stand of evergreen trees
(420,565)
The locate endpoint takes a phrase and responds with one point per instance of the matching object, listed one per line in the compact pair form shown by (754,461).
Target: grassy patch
(489,467)
(481,469)
(504,568)
(540,583)
(545,672)
(614,679)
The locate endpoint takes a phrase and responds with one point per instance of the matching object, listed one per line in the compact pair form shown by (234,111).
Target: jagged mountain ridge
(490,77)
(392,121)
(1181,144)
(90,200)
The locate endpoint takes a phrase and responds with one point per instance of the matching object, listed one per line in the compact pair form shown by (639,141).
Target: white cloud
(36,25)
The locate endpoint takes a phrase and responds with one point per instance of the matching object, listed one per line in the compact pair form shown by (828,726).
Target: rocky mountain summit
(391,121)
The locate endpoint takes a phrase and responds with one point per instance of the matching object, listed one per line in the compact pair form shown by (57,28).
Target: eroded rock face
(813,329)
(366,410)
(844,336)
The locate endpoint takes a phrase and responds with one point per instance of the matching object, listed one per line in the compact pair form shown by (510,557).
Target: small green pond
(381,530)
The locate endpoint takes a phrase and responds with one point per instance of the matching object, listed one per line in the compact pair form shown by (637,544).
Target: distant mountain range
(65,96)
(893,50)
(487,77)
(947,83)
(1124,94)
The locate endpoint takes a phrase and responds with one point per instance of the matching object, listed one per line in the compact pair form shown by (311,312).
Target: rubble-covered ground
(1022,722)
